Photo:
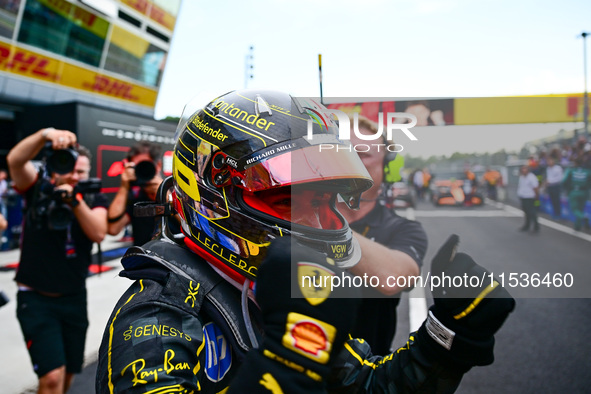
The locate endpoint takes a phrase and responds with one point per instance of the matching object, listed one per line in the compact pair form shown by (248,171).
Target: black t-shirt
(143,228)
(54,261)
(376,320)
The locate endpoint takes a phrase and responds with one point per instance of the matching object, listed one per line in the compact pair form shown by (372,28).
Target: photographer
(142,169)
(58,232)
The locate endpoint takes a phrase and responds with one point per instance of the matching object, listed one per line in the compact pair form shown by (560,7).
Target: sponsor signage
(30,64)
(473,111)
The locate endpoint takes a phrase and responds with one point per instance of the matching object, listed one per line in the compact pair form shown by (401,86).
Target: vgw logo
(323,117)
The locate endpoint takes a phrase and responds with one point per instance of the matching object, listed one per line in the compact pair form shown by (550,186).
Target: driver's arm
(399,254)
(383,262)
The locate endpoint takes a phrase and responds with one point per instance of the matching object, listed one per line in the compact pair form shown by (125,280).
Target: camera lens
(144,171)
(62,161)
(59,217)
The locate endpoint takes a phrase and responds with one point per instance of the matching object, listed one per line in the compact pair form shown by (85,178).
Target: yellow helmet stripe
(185,179)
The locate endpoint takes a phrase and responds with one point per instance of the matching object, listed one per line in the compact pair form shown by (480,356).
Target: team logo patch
(218,353)
(192,293)
(315,282)
(309,337)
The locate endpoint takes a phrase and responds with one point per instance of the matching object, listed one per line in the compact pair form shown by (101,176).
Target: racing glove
(304,326)
(465,316)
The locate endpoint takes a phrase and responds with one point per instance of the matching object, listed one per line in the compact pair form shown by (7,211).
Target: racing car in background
(452,190)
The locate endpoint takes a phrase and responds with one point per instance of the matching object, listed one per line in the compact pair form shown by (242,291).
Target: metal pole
(585,95)
(320,76)
(248,66)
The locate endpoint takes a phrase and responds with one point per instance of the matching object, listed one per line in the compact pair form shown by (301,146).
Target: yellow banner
(129,42)
(154,11)
(509,110)
(160,15)
(79,16)
(138,5)
(25,63)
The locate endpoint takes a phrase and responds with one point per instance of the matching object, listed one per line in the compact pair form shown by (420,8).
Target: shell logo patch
(315,282)
(309,337)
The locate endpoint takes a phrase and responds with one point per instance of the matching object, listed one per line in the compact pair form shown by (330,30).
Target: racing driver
(238,297)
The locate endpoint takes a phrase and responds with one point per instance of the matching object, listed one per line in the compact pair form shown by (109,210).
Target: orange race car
(455,192)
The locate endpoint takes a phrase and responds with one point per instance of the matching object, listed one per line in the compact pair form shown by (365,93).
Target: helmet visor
(304,207)
(338,169)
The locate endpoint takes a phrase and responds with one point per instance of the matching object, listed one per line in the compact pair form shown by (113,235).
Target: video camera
(50,203)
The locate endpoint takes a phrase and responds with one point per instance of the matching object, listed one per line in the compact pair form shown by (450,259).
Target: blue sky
(377,48)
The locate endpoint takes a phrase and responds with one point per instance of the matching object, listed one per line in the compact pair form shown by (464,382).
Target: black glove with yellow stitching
(304,327)
(467,312)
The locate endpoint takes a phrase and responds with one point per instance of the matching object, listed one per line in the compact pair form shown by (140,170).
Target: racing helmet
(242,148)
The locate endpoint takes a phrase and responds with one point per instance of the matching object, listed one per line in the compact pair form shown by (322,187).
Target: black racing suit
(179,329)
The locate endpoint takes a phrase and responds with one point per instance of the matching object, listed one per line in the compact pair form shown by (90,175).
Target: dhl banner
(30,64)
(155,10)
(474,111)
(89,21)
